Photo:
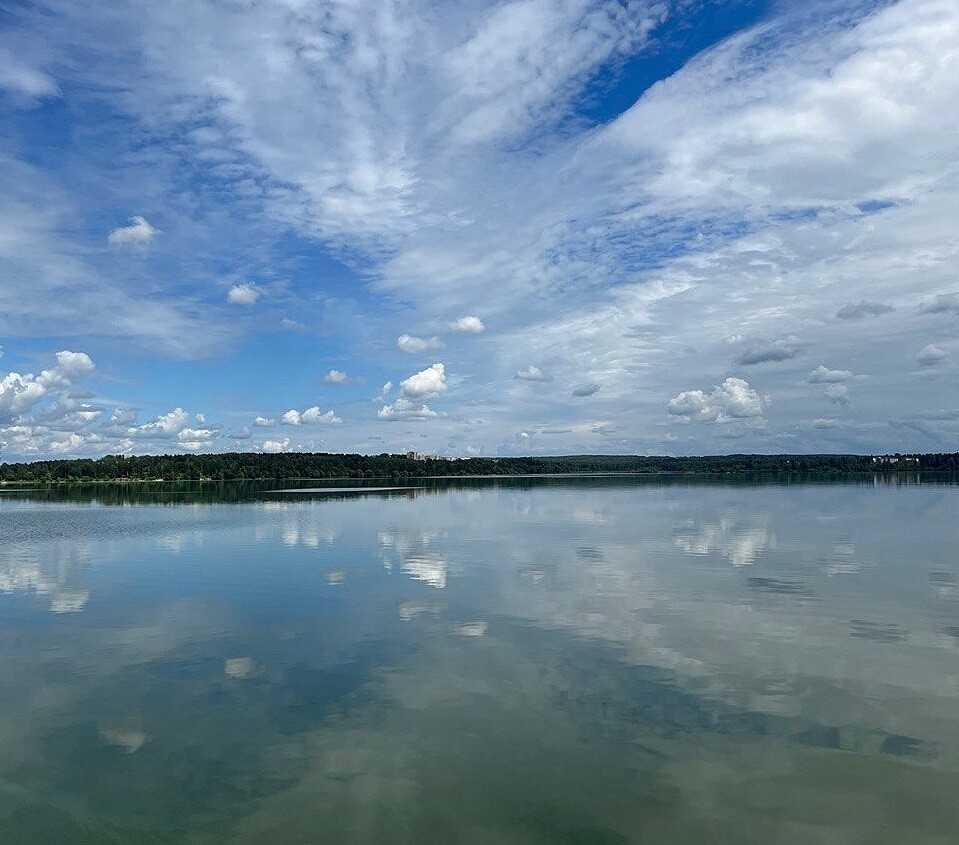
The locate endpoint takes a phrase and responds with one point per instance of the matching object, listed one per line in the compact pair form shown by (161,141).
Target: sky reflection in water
(590,663)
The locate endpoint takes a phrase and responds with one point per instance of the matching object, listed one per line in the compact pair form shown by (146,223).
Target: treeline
(247,465)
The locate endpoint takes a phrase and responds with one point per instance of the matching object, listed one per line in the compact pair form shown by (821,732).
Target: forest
(322,465)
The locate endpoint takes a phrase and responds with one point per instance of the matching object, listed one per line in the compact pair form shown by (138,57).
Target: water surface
(529,661)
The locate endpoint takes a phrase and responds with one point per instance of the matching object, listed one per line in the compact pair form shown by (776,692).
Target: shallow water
(585,661)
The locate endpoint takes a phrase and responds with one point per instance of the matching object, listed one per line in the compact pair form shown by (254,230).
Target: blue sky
(479,228)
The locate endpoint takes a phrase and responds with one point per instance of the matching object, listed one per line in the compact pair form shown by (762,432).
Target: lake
(571,660)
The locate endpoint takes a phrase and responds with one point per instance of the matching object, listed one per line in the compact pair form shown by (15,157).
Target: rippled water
(574,661)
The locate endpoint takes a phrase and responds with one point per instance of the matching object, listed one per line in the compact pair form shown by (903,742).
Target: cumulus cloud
(930,355)
(409,405)
(163,426)
(246,293)
(532,373)
(311,416)
(21,392)
(762,351)
(138,233)
(244,433)
(405,409)
(587,389)
(425,384)
(467,324)
(336,377)
(863,308)
(275,446)
(264,422)
(412,345)
(196,438)
(823,375)
(732,400)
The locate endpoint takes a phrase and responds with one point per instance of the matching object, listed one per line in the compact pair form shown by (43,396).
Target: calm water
(591,661)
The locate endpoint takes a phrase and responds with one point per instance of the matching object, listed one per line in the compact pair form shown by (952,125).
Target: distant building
(421,456)
(894,459)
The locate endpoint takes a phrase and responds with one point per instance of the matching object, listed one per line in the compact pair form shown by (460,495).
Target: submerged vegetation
(248,465)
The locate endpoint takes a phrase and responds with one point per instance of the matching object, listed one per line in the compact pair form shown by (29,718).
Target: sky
(479,228)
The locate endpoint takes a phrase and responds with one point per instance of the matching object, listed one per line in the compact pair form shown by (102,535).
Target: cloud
(405,409)
(767,351)
(425,384)
(823,375)
(532,373)
(264,422)
(138,233)
(467,324)
(384,392)
(275,446)
(944,303)
(164,426)
(734,399)
(930,355)
(336,377)
(838,393)
(412,345)
(23,80)
(587,389)
(196,438)
(863,308)
(21,392)
(246,293)
(311,416)
(244,433)
(728,198)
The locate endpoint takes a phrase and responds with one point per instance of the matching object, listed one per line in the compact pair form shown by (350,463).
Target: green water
(556,661)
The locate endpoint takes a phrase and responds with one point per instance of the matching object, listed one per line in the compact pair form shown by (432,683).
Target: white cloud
(263,422)
(71,443)
(21,392)
(311,416)
(246,293)
(467,324)
(196,438)
(165,426)
(404,409)
(532,373)
(412,345)
(275,446)
(425,384)
(138,233)
(22,79)
(823,375)
(243,433)
(336,377)
(930,355)
(734,399)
